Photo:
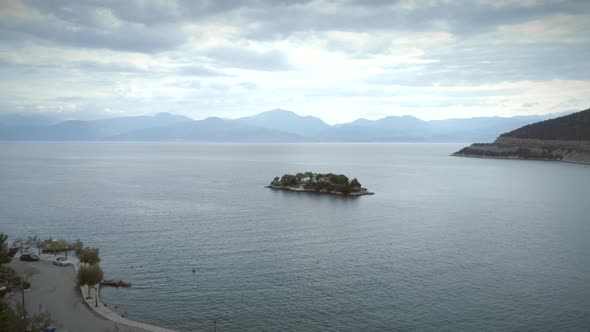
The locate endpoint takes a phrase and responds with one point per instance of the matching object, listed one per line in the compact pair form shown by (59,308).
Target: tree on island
(332,183)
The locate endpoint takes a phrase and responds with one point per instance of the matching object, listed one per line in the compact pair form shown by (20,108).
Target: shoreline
(71,307)
(301,190)
(568,151)
(101,310)
(106,313)
(520,158)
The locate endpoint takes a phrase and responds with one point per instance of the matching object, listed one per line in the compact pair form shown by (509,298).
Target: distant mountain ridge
(565,138)
(272,126)
(85,130)
(286,121)
(208,130)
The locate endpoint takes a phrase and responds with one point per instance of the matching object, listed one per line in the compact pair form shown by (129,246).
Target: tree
(34,241)
(341,188)
(77,246)
(56,245)
(61,245)
(19,243)
(355,183)
(4,254)
(89,256)
(19,320)
(90,276)
(275,181)
(40,321)
(338,179)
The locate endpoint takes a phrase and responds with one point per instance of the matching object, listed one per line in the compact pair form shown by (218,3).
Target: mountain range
(271,126)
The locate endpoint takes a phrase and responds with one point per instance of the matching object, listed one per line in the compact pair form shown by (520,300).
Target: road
(54,290)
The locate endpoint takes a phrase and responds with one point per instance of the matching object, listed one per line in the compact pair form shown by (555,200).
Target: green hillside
(573,127)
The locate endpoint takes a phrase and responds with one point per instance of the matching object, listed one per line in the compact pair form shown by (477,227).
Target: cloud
(344,58)
(107,67)
(78,65)
(491,60)
(247,85)
(195,70)
(244,58)
(457,17)
(89,27)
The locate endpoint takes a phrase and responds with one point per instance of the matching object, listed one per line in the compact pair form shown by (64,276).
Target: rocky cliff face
(547,140)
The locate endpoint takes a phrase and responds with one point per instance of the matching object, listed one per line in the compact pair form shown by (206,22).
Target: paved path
(54,290)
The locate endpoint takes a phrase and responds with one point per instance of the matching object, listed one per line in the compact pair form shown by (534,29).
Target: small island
(319,183)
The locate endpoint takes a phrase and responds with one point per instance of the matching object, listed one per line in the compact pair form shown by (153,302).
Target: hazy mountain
(391,128)
(405,123)
(211,129)
(482,129)
(411,129)
(276,125)
(117,126)
(76,130)
(7,120)
(73,130)
(286,121)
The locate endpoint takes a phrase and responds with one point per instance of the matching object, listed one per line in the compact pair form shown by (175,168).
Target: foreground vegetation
(16,319)
(328,183)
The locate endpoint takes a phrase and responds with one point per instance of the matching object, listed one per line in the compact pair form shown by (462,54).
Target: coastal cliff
(565,139)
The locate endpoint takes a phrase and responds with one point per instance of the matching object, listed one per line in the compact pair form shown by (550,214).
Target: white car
(61,261)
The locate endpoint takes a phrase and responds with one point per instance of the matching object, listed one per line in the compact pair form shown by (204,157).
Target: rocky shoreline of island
(577,152)
(329,183)
(360,193)
(565,139)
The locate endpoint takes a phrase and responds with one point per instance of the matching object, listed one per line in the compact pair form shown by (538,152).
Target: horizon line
(556,114)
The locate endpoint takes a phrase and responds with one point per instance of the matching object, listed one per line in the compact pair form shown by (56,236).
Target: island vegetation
(337,184)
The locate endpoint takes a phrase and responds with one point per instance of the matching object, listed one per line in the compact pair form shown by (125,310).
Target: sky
(337,60)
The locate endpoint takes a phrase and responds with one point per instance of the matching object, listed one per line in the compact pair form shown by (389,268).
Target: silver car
(61,261)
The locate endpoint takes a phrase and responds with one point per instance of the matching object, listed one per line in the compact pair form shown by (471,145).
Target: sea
(445,244)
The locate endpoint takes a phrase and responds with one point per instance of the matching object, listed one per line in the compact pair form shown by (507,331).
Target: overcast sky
(338,60)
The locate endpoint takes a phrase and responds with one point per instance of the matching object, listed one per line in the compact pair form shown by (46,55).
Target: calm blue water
(445,244)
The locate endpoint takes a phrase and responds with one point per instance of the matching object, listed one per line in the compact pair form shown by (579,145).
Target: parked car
(29,257)
(61,261)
